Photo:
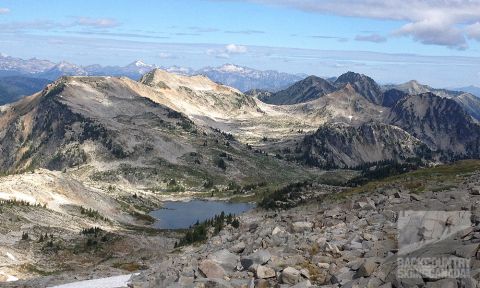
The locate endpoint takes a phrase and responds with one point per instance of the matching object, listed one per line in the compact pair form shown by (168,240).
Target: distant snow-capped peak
(140,63)
(231,68)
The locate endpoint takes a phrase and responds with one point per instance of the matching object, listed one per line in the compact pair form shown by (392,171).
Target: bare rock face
(438,122)
(444,283)
(342,145)
(238,248)
(199,96)
(290,276)
(51,128)
(264,272)
(366,269)
(391,96)
(308,89)
(364,85)
(211,269)
(260,257)
(475,190)
(224,258)
(470,103)
(301,226)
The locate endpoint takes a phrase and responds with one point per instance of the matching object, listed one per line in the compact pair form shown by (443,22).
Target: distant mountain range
(245,79)
(466,100)
(469,89)
(16,66)
(242,78)
(44,69)
(314,87)
(338,122)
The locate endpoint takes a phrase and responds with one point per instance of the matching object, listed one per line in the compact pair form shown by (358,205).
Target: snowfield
(108,282)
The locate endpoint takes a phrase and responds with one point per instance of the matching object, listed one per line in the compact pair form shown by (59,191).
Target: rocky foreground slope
(332,237)
(344,238)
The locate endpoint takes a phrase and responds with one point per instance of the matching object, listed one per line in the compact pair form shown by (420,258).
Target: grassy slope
(437,178)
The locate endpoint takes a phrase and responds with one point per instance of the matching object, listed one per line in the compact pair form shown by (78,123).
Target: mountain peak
(162,79)
(414,85)
(352,77)
(363,85)
(308,89)
(139,63)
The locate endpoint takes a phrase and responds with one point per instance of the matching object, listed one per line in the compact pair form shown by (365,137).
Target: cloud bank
(437,22)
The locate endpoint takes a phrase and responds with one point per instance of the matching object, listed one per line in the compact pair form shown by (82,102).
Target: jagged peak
(353,77)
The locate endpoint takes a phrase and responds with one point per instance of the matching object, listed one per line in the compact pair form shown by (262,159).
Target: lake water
(178,215)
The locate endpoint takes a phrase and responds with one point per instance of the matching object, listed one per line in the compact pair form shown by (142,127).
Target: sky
(434,41)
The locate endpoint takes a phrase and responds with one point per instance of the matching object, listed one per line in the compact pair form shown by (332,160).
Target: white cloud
(235,49)
(227,51)
(433,32)
(473,31)
(438,22)
(4,10)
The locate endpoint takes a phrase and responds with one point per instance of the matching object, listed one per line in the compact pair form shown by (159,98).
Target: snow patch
(10,278)
(10,256)
(140,63)
(108,282)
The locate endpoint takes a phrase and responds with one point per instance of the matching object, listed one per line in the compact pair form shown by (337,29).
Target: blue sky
(429,40)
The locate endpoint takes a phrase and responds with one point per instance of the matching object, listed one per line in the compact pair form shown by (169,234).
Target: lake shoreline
(182,214)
